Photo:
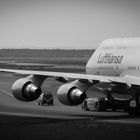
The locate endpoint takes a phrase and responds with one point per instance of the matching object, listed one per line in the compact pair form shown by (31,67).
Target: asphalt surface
(22,120)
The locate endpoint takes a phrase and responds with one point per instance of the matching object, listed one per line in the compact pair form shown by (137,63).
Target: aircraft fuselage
(116,57)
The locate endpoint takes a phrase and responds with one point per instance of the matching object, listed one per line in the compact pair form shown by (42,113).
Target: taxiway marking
(6,92)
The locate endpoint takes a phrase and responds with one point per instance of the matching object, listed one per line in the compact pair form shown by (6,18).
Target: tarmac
(28,120)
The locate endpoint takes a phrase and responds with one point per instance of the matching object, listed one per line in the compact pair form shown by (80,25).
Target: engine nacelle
(69,94)
(24,90)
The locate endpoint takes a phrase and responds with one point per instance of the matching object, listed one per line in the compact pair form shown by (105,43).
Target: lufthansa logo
(110,58)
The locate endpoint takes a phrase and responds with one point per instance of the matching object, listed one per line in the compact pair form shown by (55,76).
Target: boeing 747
(116,62)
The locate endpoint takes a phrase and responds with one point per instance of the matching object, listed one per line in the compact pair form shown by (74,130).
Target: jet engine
(25,90)
(70,94)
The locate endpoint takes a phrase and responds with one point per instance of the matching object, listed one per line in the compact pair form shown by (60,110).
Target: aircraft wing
(108,79)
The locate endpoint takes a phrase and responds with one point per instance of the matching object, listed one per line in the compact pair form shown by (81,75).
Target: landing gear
(118,104)
(110,99)
(109,96)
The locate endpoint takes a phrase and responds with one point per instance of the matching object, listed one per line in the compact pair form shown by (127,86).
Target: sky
(66,24)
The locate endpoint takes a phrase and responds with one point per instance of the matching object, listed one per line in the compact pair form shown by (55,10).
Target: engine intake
(25,90)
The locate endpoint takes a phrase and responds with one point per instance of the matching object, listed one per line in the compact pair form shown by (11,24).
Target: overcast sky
(76,24)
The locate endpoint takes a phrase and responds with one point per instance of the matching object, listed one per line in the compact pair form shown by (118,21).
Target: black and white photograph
(69,69)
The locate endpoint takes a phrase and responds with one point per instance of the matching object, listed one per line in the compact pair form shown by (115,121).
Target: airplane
(115,63)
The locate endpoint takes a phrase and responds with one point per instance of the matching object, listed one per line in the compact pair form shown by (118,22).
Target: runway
(28,120)
(11,105)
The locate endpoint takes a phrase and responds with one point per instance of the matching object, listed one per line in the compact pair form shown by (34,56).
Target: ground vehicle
(103,104)
(45,98)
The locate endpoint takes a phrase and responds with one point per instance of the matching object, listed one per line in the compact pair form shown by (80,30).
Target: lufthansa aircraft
(116,63)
